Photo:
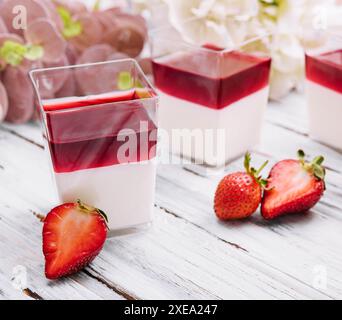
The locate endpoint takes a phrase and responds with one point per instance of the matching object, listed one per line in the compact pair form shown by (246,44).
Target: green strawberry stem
(253,172)
(89,209)
(314,167)
(261,168)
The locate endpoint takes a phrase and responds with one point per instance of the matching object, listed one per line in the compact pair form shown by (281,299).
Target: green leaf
(103,214)
(318,171)
(301,154)
(12,52)
(318,160)
(261,168)
(263,183)
(97,5)
(254,172)
(71,27)
(34,52)
(314,167)
(247,162)
(138,84)
(125,80)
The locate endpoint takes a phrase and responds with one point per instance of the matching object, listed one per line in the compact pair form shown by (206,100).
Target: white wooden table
(187,253)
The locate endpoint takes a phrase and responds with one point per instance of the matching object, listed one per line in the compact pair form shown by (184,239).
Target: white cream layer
(125,192)
(241,121)
(325,114)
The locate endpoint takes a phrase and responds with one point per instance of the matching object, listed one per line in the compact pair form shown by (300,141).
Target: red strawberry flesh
(72,238)
(291,189)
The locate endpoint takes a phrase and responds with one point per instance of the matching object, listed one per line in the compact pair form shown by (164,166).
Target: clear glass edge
(152,33)
(75,66)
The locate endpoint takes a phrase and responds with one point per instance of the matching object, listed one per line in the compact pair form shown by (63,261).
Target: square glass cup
(212,100)
(101,137)
(323,65)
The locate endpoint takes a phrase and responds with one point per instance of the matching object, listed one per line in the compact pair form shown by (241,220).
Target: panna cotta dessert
(103,151)
(324,95)
(222,93)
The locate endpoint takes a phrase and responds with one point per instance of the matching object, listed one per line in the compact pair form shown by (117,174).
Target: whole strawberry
(238,195)
(294,186)
(73,235)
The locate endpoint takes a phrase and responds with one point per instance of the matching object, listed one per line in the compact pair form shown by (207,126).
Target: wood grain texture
(187,253)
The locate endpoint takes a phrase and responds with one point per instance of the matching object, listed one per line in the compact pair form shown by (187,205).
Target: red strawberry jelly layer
(88,136)
(326,69)
(211,78)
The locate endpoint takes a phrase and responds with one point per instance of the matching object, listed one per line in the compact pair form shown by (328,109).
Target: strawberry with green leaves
(294,186)
(239,194)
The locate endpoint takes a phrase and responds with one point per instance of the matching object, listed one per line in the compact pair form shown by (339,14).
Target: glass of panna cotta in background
(222,92)
(324,89)
(101,135)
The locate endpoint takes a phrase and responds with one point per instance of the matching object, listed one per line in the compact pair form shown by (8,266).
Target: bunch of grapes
(58,33)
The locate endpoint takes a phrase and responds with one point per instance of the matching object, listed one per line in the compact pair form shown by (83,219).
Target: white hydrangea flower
(228,22)
(288,20)
(287,64)
(220,22)
(154,11)
(287,52)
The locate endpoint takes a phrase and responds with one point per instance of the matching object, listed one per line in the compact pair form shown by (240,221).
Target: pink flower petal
(8,37)
(53,14)
(3,102)
(128,36)
(107,18)
(20,95)
(117,56)
(72,53)
(97,53)
(146,65)
(69,88)
(34,10)
(91,31)
(103,80)
(74,6)
(56,80)
(28,65)
(43,32)
(3,28)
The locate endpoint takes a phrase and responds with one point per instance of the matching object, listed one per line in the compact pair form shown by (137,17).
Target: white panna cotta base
(325,114)
(242,123)
(125,192)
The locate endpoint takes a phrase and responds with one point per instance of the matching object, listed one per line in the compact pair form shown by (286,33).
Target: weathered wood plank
(294,245)
(175,259)
(20,245)
(188,253)
(30,132)
(8,292)
(290,113)
(21,230)
(305,243)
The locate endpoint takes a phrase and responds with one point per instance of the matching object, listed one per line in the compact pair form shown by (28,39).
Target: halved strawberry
(294,186)
(73,235)
(238,195)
